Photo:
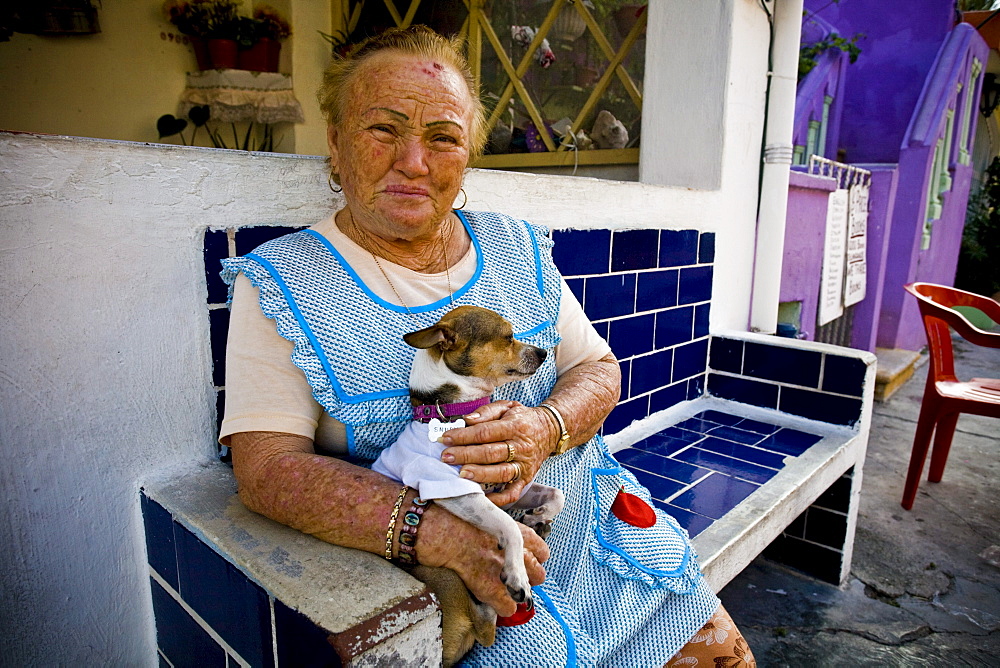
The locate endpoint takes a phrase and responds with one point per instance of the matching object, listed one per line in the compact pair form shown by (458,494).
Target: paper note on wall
(831,287)
(857,245)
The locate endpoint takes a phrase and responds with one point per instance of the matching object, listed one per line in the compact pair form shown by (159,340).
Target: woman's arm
(281,477)
(584,395)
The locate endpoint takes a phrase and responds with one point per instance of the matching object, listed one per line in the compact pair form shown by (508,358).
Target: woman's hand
(453,543)
(497,431)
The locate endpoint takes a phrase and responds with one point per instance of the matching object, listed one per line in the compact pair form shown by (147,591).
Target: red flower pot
(224,53)
(263,56)
(201,55)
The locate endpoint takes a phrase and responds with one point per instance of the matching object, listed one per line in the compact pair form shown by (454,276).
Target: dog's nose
(540,354)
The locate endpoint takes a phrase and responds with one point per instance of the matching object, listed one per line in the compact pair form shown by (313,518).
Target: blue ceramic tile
(666,397)
(631,336)
(714,496)
(690,359)
(659,487)
(582,252)
(693,523)
(699,425)
(727,465)
(225,454)
(216,248)
(576,287)
(742,390)
(602,329)
(218,320)
(826,528)
(818,406)
(726,355)
(797,529)
(300,642)
(789,442)
(719,418)
(651,372)
(742,452)
(815,560)
(737,435)
(701,320)
(632,250)
(668,441)
(837,496)
(159,527)
(179,637)
(626,369)
(657,290)
(783,365)
(579,252)
(248,238)
(625,413)
(844,375)
(661,466)
(674,326)
(765,428)
(706,248)
(696,387)
(609,296)
(678,248)
(695,285)
(236,608)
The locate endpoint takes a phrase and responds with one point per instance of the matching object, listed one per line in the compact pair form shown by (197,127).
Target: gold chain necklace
(444,251)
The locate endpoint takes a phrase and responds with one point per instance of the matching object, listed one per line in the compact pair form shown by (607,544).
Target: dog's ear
(439,334)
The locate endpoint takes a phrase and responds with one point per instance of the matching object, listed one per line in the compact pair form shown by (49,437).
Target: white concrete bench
(227,581)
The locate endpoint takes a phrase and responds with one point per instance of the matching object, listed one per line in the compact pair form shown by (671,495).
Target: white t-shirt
(265,391)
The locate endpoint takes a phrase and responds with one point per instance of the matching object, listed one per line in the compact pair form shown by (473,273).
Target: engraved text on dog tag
(436,428)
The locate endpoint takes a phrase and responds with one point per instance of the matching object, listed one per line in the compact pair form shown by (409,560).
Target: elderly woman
(317,375)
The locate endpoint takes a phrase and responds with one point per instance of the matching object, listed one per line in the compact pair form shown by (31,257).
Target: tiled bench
(754,443)
(741,478)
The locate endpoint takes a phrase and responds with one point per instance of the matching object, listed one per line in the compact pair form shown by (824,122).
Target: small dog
(460,360)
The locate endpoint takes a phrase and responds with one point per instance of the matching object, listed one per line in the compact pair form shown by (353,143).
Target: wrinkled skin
(400,152)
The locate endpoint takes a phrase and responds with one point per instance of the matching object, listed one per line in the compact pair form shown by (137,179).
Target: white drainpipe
(770,242)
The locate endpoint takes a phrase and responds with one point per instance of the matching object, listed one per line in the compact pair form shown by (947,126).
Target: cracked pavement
(925,584)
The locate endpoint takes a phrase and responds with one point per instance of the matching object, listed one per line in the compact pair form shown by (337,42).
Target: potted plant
(213,27)
(268,29)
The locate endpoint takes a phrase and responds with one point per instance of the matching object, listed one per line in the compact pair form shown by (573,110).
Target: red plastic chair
(945,396)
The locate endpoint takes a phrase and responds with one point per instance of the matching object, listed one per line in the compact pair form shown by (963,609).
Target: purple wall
(881,201)
(805,229)
(826,78)
(900,43)
(899,324)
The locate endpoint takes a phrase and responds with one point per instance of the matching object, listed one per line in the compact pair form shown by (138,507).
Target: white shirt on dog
(415,461)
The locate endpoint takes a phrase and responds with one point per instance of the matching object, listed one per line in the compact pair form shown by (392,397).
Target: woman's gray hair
(416,40)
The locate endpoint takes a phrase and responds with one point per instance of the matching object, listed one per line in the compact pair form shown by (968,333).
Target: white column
(770,242)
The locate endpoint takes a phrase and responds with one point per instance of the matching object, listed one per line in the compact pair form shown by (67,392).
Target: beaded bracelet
(408,534)
(392,522)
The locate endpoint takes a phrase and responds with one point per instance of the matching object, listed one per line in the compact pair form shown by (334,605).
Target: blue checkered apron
(615,595)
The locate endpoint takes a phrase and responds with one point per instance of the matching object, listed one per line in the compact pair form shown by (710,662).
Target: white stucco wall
(105,368)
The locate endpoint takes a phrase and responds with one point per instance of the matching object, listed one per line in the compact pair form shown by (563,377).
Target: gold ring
(510,452)
(517,475)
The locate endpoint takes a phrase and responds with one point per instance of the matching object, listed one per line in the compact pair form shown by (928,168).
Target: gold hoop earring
(329,182)
(464,202)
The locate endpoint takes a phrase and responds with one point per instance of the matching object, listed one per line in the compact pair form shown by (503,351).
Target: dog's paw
(516,581)
(543,529)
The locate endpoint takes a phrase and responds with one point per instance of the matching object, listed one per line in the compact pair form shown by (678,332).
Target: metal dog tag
(436,428)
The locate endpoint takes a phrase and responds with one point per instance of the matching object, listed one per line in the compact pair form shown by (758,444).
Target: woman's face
(403,144)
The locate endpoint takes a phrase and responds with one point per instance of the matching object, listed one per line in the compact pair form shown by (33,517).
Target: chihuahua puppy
(460,360)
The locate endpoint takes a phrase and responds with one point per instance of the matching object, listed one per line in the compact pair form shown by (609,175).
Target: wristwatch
(563,444)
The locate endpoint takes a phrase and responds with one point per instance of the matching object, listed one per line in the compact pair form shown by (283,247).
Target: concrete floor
(925,584)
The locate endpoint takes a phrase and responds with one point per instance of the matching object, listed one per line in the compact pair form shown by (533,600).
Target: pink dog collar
(444,412)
